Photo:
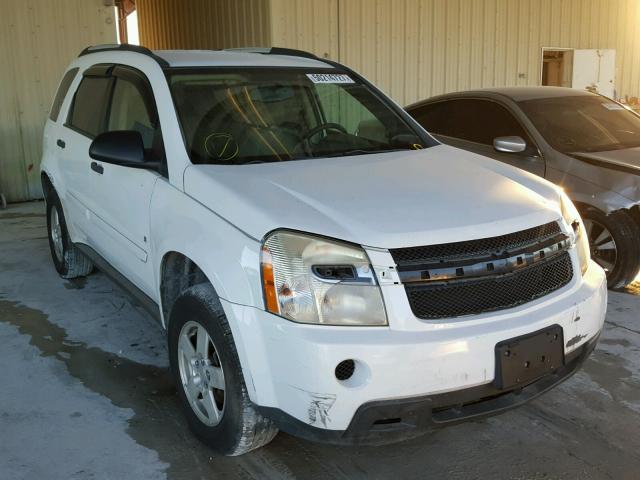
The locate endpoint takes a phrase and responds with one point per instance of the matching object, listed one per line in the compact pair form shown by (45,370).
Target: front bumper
(388,421)
(424,373)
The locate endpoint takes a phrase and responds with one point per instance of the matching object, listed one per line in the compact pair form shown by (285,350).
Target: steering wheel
(324,127)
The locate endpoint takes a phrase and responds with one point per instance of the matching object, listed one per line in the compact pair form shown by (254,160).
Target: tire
(236,427)
(69,261)
(624,236)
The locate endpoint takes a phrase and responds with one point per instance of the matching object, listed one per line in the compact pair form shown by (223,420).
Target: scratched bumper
(289,368)
(389,421)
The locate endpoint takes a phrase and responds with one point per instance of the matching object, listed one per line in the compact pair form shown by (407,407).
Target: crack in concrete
(622,326)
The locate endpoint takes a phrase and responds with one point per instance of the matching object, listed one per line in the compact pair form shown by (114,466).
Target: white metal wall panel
(310,25)
(38,39)
(418,48)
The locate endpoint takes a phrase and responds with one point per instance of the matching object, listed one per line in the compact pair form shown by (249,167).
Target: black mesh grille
(473,248)
(454,299)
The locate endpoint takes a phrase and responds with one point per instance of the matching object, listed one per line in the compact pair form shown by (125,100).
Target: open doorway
(127,18)
(584,69)
(557,67)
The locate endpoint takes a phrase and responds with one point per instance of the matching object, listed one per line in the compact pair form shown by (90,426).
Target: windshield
(235,116)
(584,123)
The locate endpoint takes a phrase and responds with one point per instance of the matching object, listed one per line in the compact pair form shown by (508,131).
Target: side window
(130,111)
(478,121)
(433,118)
(492,120)
(62,93)
(88,112)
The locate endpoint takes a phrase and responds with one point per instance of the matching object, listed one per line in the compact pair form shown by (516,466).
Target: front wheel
(207,373)
(614,241)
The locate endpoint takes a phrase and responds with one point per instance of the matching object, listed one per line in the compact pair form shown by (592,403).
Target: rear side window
(62,93)
(88,113)
(478,121)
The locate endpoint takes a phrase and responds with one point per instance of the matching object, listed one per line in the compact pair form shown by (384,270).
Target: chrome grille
(476,276)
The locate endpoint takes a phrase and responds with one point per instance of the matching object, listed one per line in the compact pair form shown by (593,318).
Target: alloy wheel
(602,245)
(201,373)
(56,234)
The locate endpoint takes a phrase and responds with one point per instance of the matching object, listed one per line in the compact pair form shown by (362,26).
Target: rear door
(473,124)
(122,195)
(86,119)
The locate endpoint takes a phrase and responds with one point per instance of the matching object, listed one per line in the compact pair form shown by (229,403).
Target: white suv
(321,264)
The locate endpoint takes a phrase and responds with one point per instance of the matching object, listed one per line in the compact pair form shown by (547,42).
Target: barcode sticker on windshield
(612,106)
(329,78)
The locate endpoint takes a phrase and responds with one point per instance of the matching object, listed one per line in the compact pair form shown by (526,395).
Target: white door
(124,194)
(72,140)
(595,70)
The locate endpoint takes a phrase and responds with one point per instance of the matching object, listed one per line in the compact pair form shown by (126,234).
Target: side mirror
(509,144)
(121,147)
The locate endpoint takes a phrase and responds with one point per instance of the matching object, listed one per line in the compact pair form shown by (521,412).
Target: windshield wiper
(350,153)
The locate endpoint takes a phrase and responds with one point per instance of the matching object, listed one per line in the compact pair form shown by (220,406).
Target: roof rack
(291,52)
(124,47)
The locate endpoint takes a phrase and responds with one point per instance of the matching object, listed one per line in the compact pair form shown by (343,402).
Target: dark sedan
(586,143)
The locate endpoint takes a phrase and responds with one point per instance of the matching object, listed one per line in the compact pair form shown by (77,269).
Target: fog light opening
(345,369)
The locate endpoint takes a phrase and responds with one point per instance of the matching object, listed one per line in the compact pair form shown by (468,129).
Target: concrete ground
(85,393)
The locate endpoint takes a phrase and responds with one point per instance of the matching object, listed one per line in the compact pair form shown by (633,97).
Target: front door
(124,194)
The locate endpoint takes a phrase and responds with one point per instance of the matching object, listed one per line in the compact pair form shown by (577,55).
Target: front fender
(582,191)
(227,256)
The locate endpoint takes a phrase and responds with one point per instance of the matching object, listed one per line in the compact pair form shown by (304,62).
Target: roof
(235,58)
(517,94)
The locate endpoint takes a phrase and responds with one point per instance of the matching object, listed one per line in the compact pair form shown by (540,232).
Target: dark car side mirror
(513,144)
(121,147)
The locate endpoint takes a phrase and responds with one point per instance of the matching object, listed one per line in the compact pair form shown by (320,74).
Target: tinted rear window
(88,113)
(62,93)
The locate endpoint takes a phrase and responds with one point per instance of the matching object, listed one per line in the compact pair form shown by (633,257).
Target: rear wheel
(69,261)
(614,241)
(207,373)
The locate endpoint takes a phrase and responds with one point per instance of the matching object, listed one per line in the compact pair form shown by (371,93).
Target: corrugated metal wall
(310,25)
(38,39)
(205,24)
(411,48)
(417,48)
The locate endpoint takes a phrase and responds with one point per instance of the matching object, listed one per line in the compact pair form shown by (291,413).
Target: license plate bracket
(522,360)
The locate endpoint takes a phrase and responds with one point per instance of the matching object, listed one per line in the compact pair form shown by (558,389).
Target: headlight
(310,279)
(572,218)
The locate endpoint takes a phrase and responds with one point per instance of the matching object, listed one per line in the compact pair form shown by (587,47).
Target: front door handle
(96,167)
(61,143)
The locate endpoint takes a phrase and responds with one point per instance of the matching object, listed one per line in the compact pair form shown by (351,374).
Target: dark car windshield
(584,123)
(235,116)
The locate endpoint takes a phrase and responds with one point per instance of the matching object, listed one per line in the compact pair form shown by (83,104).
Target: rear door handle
(61,143)
(96,167)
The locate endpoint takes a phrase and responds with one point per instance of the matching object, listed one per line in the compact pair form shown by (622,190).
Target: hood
(389,200)
(627,159)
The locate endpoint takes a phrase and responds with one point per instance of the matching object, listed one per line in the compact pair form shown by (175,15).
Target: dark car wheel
(615,244)
(207,373)
(69,261)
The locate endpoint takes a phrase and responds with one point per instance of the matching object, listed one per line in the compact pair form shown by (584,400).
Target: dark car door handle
(61,143)
(96,167)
